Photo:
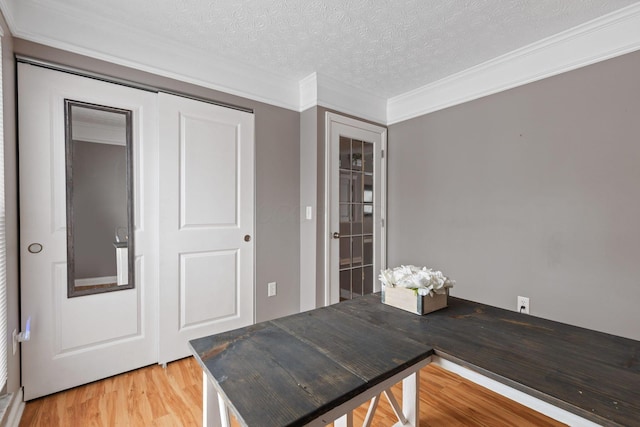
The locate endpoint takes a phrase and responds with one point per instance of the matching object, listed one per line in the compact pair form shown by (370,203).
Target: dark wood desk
(591,374)
(300,369)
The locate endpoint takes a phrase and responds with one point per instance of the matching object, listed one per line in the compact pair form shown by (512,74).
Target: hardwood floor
(154,396)
(150,396)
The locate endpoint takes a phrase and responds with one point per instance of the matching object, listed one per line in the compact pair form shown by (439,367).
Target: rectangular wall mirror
(99,175)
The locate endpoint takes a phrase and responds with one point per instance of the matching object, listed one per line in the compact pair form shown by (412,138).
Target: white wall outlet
(523,305)
(272,289)
(309,212)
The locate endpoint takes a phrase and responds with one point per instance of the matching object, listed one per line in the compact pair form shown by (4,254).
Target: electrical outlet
(272,289)
(523,305)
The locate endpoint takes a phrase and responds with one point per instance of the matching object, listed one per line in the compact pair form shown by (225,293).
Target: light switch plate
(271,289)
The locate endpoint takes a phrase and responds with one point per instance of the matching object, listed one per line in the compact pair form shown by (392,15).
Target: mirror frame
(71,288)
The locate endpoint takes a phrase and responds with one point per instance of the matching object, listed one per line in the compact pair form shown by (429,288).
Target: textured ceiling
(386,47)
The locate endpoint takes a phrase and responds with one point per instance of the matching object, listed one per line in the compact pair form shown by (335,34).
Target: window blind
(4,333)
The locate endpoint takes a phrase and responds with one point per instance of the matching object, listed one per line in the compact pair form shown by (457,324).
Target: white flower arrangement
(424,281)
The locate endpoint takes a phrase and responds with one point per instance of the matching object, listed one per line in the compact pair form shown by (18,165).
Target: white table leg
(211,416)
(373,406)
(224,412)
(396,408)
(411,398)
(344,421)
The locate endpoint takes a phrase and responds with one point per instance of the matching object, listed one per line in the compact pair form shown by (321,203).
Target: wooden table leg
(210,405)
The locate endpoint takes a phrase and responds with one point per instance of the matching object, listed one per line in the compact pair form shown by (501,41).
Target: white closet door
(82,339)
(206,222)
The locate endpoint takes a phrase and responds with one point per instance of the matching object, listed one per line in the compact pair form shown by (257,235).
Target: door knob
(336,235)
(247,238)
(35,248)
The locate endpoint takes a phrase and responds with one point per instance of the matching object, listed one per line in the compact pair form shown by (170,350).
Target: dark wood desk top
(592,374)
(292,370)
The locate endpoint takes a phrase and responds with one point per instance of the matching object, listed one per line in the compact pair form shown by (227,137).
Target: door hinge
(382,154)
(382,222)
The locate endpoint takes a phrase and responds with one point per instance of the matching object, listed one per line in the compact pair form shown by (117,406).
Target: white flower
(424,280)
(402,276)
(386,277)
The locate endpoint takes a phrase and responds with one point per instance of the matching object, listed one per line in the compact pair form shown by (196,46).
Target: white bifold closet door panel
(193,177)
(206,222)
(78,340)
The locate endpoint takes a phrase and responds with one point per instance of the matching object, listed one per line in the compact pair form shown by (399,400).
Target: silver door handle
(247,238)
(336,235)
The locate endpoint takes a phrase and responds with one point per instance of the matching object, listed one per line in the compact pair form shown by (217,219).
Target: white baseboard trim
(14,412)
(523,398)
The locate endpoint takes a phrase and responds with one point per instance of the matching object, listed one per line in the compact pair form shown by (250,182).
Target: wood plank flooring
(154,396)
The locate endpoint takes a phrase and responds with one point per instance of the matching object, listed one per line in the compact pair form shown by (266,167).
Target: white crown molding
(609,36)
(147,52)
(318,89)
(6,7)
(309,91)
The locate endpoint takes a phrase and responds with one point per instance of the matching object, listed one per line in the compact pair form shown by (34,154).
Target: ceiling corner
(348,99)
(319,89)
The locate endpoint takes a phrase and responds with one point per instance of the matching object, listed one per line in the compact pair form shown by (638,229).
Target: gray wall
(11,203)
(534,191)
(277,130)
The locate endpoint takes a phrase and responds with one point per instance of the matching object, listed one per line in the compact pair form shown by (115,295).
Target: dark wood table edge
(214,383)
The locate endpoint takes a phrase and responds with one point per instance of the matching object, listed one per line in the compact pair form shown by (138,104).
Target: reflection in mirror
(99,199)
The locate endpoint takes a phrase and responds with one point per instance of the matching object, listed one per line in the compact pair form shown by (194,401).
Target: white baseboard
(523,398)
(14,411)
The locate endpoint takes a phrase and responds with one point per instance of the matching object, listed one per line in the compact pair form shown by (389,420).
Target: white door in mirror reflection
(356,207)
(79,336)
